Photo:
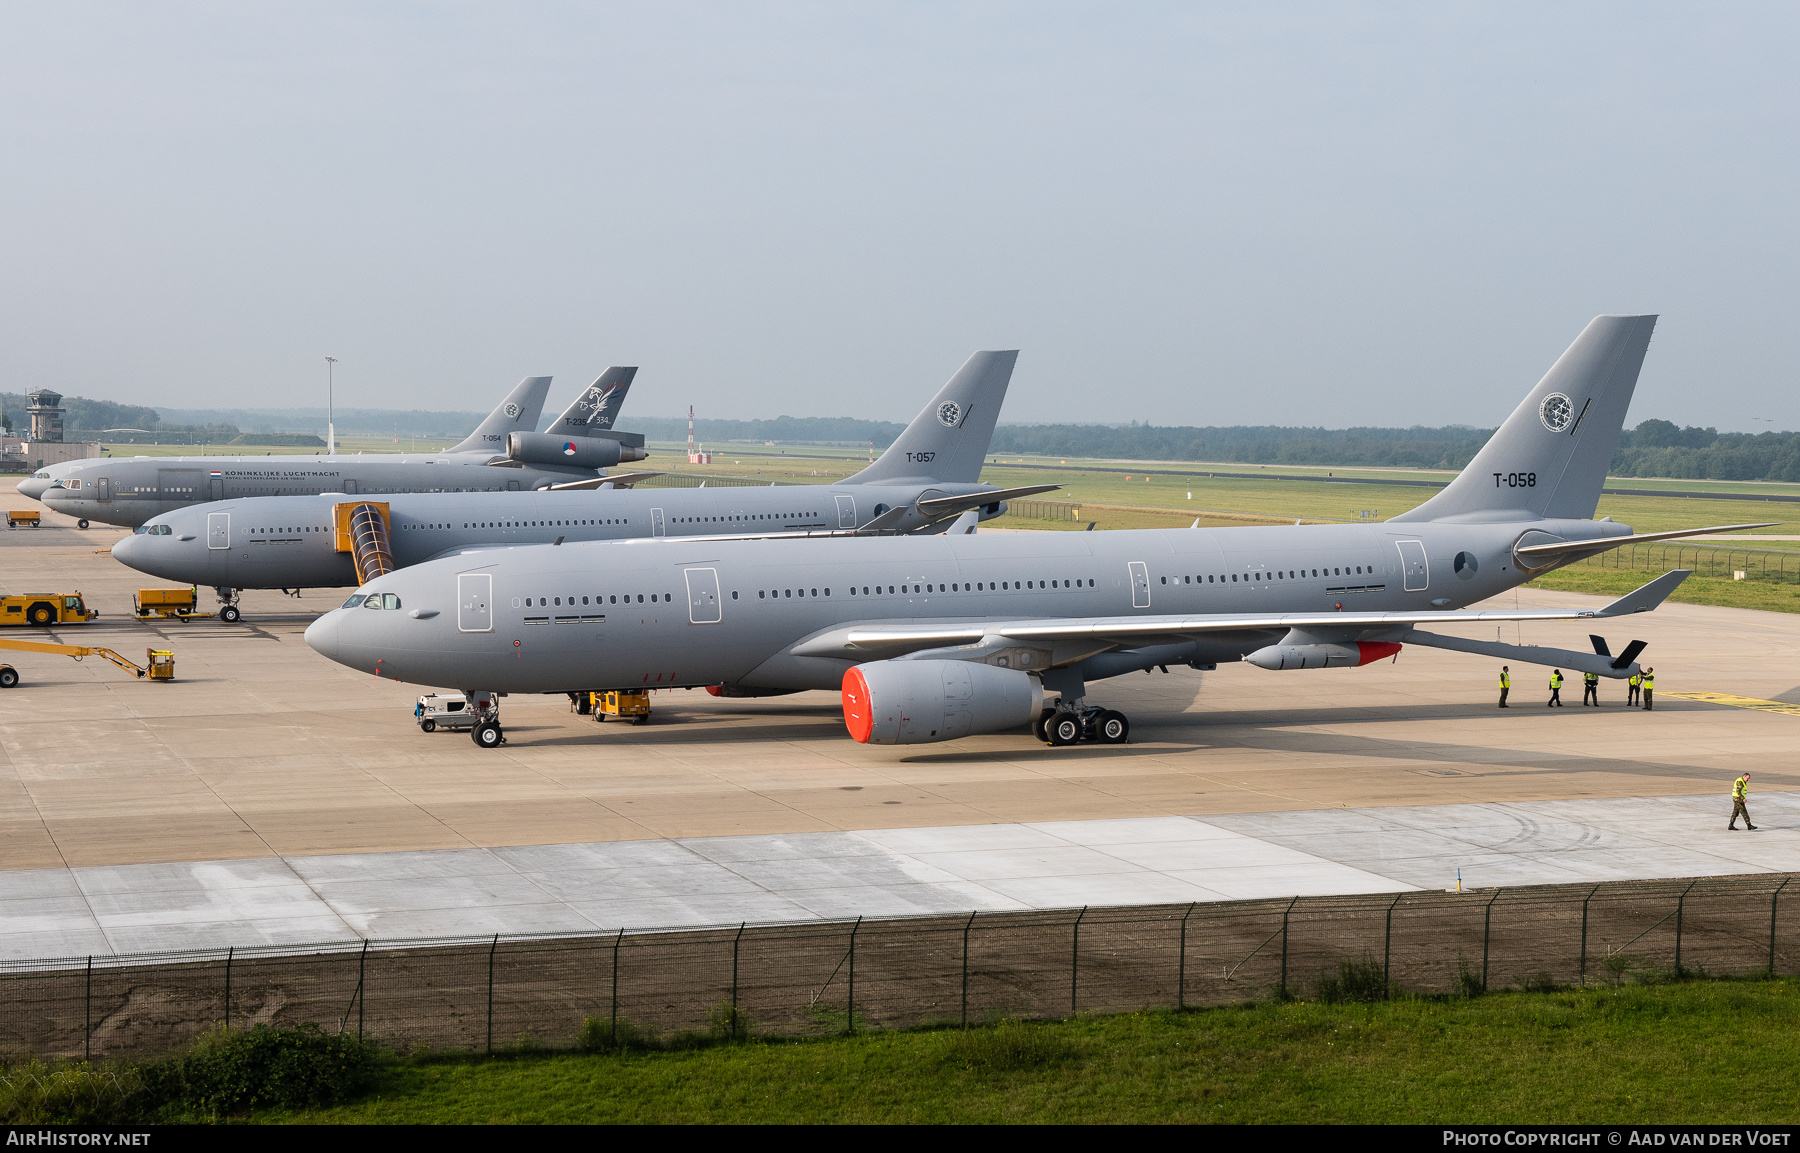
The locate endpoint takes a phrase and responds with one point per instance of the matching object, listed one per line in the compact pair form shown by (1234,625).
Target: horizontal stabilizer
(1563,547)
(942,506)
(1649,596)
(616,480)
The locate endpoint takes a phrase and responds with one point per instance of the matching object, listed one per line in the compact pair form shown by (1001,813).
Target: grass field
(1692,1052)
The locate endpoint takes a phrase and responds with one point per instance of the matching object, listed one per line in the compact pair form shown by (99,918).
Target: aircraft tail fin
(1550,457)
(597,406)
(519,412)
(948,441)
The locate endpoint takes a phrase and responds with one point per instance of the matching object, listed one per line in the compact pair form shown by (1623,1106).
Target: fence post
(1181,964)
(615,985)
(228,953)
(490,1014)
(87,1040)
(850,1000)
(1284,945)
(734,979)
(1773,897)
(1075,958)
(1679,903)
(965,973)
(1487,926)
(1584,912)
(1387,939)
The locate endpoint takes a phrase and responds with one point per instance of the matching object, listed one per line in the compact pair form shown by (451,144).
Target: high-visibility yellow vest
(1591,678)
(1635,680)
(1556,680)
(1738,788)
(1649,680)
(1505,681)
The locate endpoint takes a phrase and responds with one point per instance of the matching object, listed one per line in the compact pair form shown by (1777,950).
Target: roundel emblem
(1556,412)
(569,448)
(949,413)
(512,411)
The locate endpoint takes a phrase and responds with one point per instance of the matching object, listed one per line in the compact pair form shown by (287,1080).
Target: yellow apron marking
(1760,706)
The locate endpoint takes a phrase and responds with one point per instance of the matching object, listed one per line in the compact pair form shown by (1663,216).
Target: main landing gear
(1081,723)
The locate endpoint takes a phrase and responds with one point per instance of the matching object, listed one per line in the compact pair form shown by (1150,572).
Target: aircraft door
(846,511)
(217,491)
(474,602)
(1413,565)
(703,596)
(218,530)
(350,488)
(512,486)
(1140,584)
(656,522)
(105,490)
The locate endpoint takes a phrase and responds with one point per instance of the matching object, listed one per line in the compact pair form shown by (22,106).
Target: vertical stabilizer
(1550,457)
(949,440)
(597,406)
(519,412)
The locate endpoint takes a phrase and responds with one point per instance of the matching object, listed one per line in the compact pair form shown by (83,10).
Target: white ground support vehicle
(455,711)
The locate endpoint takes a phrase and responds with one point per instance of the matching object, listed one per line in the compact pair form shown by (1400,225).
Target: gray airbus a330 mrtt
(931,475)
(505,453)
(935,637)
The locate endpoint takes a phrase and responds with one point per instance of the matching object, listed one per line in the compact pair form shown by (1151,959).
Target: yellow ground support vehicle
(622,703)
(24,518)
(177,603)
(159,664)
(44,609)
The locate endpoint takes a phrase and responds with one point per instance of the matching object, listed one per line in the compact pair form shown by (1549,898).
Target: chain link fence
(836,976)
(1764,564)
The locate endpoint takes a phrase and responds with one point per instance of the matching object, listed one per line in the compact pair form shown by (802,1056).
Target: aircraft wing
(874,641)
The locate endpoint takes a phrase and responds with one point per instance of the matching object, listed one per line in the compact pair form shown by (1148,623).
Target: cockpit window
(390,601)
(355,600)
(41,474)
(162,530)
(140,530)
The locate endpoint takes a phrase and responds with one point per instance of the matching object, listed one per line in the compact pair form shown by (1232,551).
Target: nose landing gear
(228,604)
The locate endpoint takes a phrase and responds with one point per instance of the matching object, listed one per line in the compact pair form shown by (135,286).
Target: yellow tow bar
(159,664)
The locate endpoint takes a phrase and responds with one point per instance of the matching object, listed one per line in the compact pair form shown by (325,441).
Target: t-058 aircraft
(929,476)
(504,453)
(935,637)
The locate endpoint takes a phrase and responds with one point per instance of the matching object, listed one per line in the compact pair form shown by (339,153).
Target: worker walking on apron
(1740,789)
(1555,700)
(1633,689)
(1649,686)
(1505,685)
(1590,689)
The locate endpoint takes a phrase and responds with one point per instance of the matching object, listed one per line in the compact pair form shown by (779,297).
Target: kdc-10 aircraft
(504,453)
(931,638)
(929,476)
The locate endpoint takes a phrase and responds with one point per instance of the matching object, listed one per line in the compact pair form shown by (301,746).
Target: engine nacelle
(570,452)
(1344,656)
(921,702)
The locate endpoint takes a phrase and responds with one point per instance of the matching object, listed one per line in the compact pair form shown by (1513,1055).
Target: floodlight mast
(330,425)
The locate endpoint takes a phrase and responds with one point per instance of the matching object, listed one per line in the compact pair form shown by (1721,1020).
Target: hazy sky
(1187,213)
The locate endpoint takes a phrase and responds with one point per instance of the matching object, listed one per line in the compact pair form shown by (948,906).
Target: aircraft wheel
(229,614)
(81,524)
(1037,726)
(1063,729)
(428,726)
(1112,728)
(9,676)
(487,734)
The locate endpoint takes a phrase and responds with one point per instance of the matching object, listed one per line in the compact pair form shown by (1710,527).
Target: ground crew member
(1739,788)
(1555,689)
(1590,689)
(1633,688)
(1649,686)
(1505,685)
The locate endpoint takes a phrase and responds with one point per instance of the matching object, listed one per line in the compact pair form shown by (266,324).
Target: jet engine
(1344,656)
(920,702)
(570,452)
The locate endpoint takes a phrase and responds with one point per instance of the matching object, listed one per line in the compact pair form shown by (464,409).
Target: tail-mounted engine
(574,452)
(922,702)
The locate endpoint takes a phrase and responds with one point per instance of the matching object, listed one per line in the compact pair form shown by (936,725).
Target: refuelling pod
(1344,656)
(921,702)
(571,452)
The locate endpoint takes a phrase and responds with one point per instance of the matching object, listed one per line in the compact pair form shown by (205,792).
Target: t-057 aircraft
(931,475)
(936,637)
(504,453)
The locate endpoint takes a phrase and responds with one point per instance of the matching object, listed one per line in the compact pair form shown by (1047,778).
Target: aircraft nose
(322,634)
(33,487)
(125,550)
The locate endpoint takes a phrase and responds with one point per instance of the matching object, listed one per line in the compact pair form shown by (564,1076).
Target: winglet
(1648,597)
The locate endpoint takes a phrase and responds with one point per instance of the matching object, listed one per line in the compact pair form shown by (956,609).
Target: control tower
(44,406)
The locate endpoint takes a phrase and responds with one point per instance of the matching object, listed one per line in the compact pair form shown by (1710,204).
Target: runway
(269,761)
